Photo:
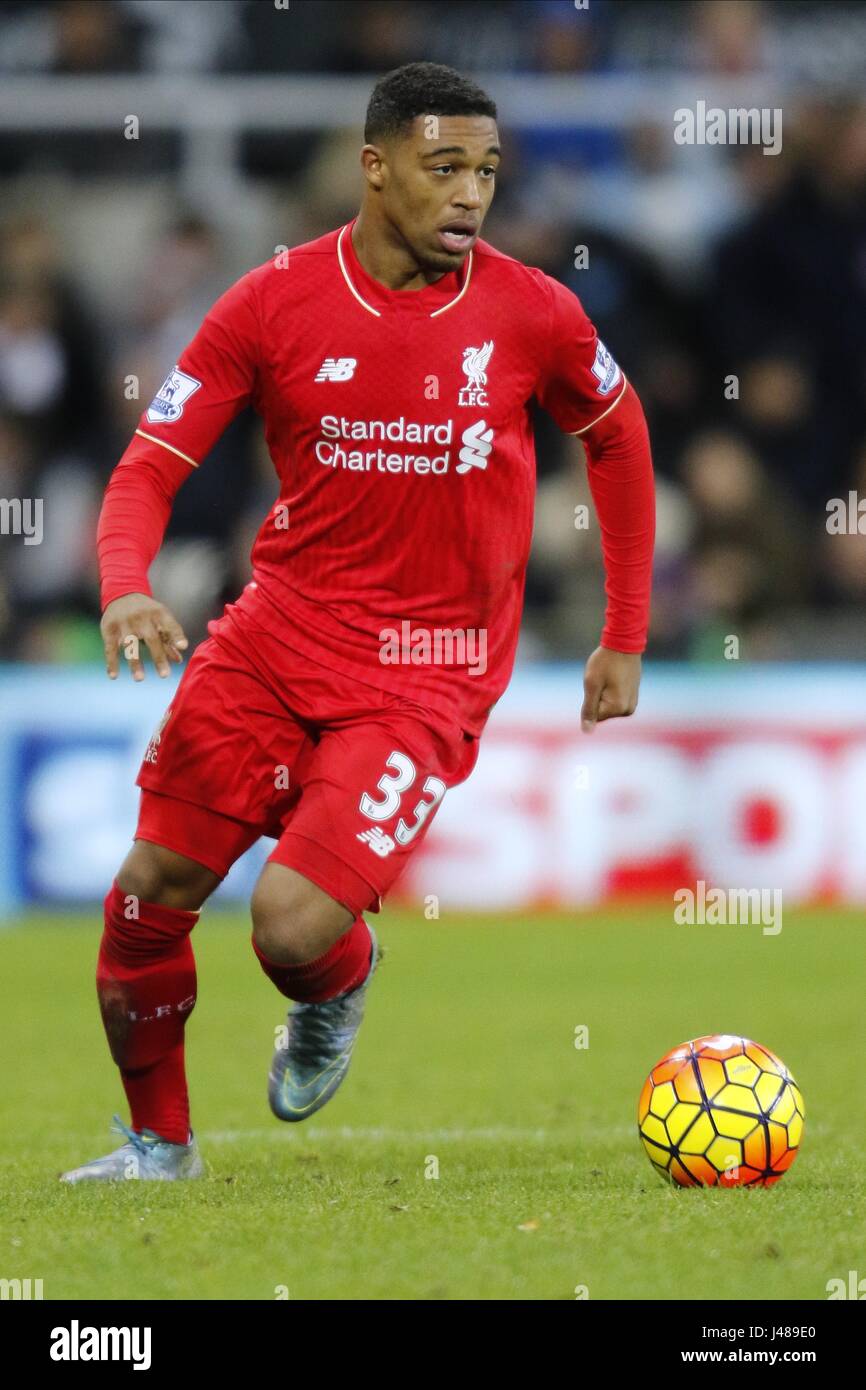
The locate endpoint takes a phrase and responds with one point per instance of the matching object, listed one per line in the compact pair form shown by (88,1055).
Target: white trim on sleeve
(611,407)
(172,450)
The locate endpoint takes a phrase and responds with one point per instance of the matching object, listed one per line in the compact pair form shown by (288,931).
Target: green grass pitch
(466,1057)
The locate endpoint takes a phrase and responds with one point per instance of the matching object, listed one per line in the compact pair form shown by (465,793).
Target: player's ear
(372,161)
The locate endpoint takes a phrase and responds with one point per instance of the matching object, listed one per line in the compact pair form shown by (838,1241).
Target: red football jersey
(398,424)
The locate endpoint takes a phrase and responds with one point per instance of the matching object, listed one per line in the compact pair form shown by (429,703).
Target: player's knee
(293,919)
(155,874)
(280,917)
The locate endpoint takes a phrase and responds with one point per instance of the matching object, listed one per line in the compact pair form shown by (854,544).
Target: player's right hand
(135,618)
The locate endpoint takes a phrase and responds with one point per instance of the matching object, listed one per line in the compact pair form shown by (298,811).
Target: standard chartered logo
(477,443)
(343,445)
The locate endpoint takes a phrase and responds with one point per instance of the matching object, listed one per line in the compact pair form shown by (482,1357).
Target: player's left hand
(610,686)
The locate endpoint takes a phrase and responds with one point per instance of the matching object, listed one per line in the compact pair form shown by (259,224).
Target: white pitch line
(499,1132)
(493,1134)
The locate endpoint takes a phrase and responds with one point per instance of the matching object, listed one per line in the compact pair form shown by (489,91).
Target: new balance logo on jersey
(475,362)
(337,369)
(169,401)
(477,444)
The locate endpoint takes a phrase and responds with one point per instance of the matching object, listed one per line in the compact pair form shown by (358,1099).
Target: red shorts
(259,740)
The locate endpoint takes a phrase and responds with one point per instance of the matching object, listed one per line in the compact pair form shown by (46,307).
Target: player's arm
(213,381)
(619,468)
(132,522)
(587,394)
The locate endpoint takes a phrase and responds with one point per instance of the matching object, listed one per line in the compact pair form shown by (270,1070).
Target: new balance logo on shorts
(379,842)
(337,369)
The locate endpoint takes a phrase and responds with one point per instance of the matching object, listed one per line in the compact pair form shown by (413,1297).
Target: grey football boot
(145,1157)
(307,1070)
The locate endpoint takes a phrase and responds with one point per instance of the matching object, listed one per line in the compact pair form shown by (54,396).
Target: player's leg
(156,874)
(207,780)
(294,920)
(146,977)
(322,955)
(146,982)
(370,789)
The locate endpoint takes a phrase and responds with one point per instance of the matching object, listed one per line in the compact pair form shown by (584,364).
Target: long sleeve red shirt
(399,427)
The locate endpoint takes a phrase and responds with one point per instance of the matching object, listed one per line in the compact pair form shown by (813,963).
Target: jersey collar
(375,297)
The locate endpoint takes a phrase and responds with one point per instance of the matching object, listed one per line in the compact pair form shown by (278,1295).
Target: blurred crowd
(730,285)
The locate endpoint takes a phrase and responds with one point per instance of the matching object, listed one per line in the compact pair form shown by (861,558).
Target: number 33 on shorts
(392,785)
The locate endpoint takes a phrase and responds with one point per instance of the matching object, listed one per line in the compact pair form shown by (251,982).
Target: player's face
(438,184)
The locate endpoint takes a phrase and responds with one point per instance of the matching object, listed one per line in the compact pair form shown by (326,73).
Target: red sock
(340,969)
(145,980)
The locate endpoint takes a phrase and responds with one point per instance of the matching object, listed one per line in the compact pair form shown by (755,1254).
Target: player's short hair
(421,89)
